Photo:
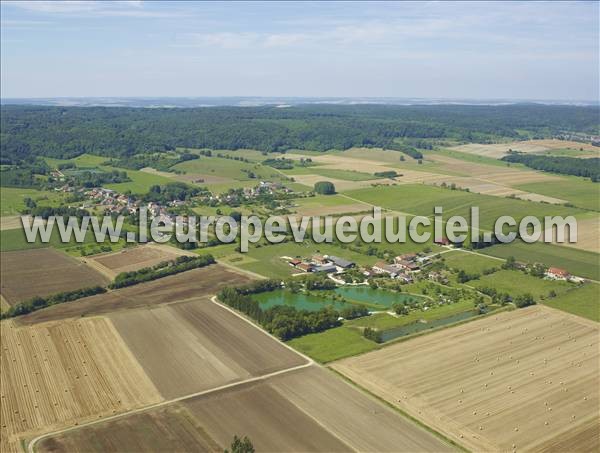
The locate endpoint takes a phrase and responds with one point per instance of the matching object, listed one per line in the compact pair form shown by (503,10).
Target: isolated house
(558,273)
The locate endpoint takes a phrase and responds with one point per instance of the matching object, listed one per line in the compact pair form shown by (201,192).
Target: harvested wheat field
(588,235)
(57,375)
(42,272)
(168,428)
(193,346)
(341,185)
(359,420)
(522,380)
(266,416)
(134,258)
(309,410)
(498,150)
(186,285)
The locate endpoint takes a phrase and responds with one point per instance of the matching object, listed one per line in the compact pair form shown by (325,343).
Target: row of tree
(37,303)
(164,269)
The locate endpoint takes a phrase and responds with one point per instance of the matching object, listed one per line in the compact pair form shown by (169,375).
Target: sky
(467,50)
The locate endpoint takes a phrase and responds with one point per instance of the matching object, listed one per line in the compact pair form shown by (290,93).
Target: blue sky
(423,49)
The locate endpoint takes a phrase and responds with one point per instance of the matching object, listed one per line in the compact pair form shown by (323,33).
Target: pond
(310,302)
(419,326)
(374,299)
(378,297)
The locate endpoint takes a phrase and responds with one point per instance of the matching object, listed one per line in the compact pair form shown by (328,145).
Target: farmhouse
(294,262)
(407,266)
(341,262)
(328,268)
(381,267)
(319,259)
(557,273)
(442,241)
(407,257)
(306,267)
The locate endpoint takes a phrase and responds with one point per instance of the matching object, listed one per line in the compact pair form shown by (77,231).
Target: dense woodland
(588,168)
(65,132)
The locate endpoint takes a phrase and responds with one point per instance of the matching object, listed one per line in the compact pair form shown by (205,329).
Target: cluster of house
(114,202)
(111,200)
(322,263)
(249,193)
(403,267)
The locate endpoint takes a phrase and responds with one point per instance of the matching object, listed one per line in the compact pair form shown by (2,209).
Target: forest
(587,168)
(121,132)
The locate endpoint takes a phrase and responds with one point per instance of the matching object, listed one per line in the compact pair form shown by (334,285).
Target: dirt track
(527,378)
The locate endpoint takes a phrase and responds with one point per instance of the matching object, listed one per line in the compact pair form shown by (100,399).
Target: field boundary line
(309,362)
(33,442)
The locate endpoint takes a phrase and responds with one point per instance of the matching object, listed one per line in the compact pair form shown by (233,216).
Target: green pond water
(380,297)
(310,302)
(396,332)
(374,299)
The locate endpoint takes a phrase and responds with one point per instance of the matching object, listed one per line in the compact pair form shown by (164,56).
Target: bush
(324,188)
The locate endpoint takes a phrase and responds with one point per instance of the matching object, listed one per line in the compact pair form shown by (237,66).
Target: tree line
(37,303)
(163,269)
(587,168)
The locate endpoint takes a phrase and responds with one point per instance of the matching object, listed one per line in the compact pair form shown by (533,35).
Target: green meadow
(12,199)
(470,262)
(518,283)
(333,344)
(578,262)
(581,301)
(577,191)
(420,199)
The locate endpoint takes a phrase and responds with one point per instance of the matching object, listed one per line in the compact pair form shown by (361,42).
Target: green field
(470,262)
(346,175)
(15,240)
(517,283)
(323,201)
(420,199)
(578,191)
(470,157)
(578,262)
(11,199)
(229,168)
(140,182)
(333,344)
(582,301)
(384,321)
